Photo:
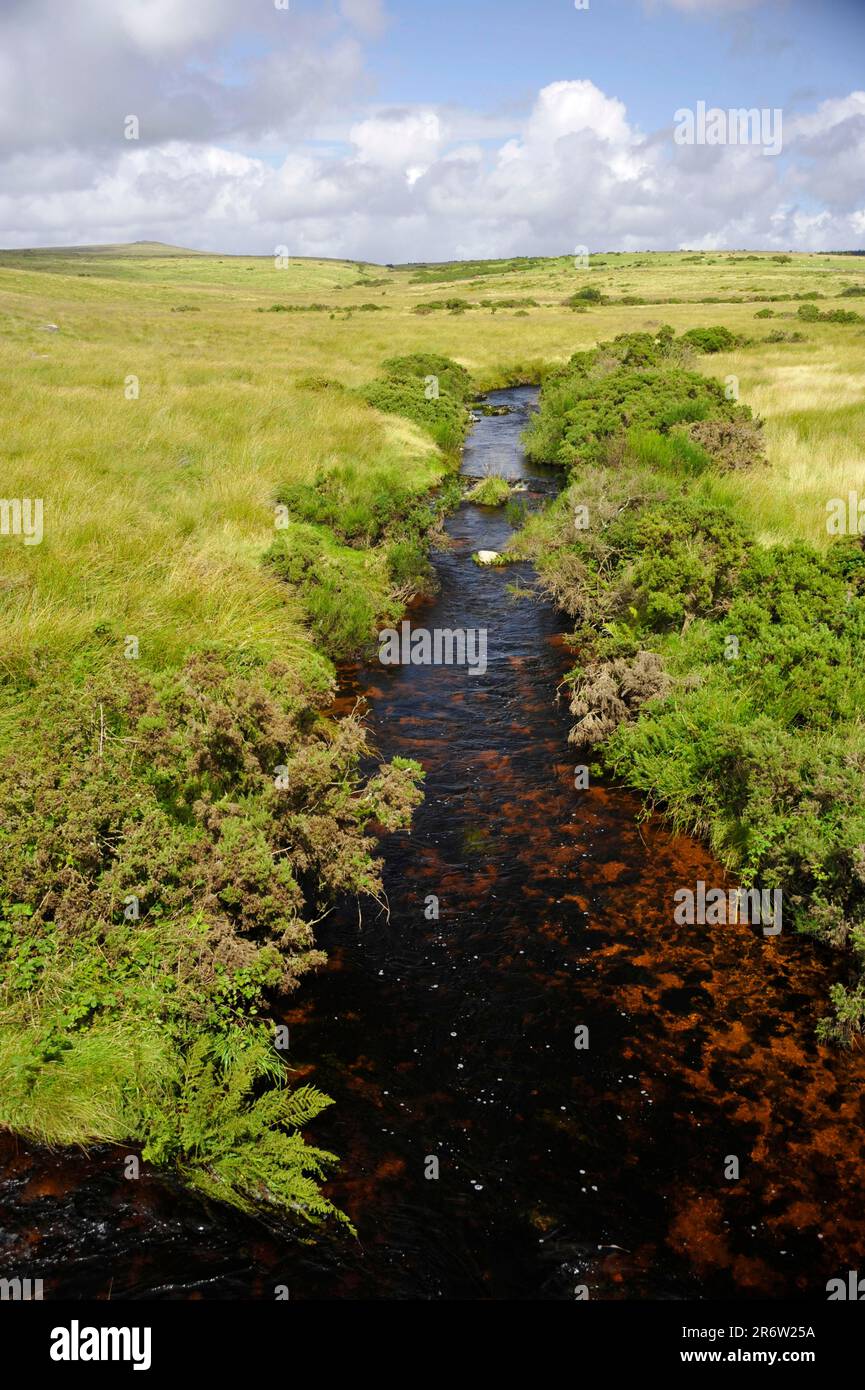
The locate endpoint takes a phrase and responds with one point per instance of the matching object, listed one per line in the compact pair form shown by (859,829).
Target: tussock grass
(159,512)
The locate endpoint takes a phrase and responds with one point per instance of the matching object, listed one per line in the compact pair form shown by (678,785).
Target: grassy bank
(179,811)
(718,674)
(241,465)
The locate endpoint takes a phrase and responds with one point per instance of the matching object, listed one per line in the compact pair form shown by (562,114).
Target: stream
(452,1038)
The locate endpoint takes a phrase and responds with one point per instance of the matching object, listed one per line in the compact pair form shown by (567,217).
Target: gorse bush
(590,294)
(355,545)
(356,551)
(721,677)
(432,391)
(634,386)
(589,412)
(717,339)
(809,313)
(730,445)
(141,930)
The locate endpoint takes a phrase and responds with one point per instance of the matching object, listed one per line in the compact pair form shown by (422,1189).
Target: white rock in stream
(487,557)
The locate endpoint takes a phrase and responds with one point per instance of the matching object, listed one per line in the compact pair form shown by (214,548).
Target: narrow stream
(454,1038)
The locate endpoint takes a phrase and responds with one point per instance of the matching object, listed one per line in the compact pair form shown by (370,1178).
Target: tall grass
(159,512)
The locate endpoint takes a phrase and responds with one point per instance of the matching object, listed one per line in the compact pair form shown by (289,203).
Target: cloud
(180,67)
(578,173)
(227,158)
(830,143)
(366,15)
(399,140)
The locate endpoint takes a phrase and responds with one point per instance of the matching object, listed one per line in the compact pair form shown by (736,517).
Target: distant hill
(130,248)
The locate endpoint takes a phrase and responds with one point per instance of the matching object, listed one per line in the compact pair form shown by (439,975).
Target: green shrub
(357,505)
(809,313)
(589,294)
(715,339)
(431,390)
(669,453)
(759,746)
(146,1027)
(409,567)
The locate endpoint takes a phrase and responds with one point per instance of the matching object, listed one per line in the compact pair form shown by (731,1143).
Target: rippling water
(454,1038)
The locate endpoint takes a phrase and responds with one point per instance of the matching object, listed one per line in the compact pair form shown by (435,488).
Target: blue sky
(496,54)
(400,129)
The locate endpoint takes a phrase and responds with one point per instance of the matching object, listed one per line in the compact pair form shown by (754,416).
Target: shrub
(403,391)
(146,1029)
(764,754)
(669,453)
(809,313)
(592,411)
(780,337)
(409,567)
(357,505)
(717,339)
(588,295)
(730,444)
(336,589)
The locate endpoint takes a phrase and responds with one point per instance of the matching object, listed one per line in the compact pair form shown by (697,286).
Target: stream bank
(453,1037)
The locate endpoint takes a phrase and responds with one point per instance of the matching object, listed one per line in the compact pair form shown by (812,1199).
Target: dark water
(453,1038)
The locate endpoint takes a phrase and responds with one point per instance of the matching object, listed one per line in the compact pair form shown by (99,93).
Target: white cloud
(366,15)
(568,108)
(829,114)
(398,140)
(165,26)
(226,161)
(71,73)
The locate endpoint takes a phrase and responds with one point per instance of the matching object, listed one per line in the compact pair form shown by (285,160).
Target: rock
(488,557)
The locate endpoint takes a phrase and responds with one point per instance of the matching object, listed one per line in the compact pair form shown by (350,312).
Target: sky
(401,130)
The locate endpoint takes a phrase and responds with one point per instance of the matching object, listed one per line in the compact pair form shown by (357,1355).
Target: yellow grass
(157,510)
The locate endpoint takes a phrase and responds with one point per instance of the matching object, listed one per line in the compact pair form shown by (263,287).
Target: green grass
(489,492)
(250,513)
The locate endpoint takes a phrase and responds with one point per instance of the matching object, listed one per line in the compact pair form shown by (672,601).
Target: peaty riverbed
(485,1155)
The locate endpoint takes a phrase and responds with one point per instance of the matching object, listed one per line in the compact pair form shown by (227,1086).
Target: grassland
(161,403)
